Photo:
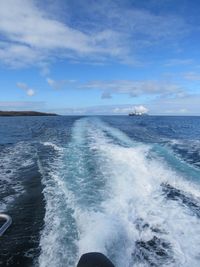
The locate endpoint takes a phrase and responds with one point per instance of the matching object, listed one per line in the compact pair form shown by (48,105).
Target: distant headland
(25,113)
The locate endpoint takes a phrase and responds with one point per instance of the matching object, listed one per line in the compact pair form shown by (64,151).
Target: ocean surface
(128,187)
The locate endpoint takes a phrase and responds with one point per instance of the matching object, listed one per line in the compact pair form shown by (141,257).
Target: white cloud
(31,35)
(178,61)
(160,106)
(185,104)
(44,69)
(29,91)
(141,109)
(19,55)
(133,88)
(50,82)
(98,110)
(36,36)
(126,110)
(22,105)
(192,76)
(183,110)
(106,95)
(122,110)
(59,84)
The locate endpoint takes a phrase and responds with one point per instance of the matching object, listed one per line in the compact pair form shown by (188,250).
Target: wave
(14,160)
(106,192)
(21,198)
(189,151)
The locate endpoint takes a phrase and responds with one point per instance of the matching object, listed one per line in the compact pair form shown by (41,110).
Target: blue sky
(100,57)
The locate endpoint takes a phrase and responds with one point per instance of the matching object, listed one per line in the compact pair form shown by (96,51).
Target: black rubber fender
(94,259)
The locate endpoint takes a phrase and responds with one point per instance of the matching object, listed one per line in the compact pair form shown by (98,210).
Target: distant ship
(135,113)
(139,111)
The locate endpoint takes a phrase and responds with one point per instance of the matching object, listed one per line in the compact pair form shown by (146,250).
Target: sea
(128,187)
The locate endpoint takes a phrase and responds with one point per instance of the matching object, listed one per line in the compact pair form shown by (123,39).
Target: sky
(89,57)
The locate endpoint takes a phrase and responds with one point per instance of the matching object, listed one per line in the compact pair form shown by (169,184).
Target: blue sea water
(128,187)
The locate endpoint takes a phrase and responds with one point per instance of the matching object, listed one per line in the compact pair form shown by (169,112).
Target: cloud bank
(133,88)
(40,36)
(22,105)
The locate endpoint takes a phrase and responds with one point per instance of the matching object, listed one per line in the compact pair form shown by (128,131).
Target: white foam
(132,191)
(56,147)
(13,159)
(57,242)
(134,180)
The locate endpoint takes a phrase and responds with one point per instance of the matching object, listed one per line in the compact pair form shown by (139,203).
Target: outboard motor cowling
(94,259)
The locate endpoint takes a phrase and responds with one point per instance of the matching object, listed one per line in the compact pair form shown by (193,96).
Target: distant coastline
(25,113)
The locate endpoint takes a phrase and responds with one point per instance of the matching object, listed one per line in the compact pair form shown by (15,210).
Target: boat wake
(106,192)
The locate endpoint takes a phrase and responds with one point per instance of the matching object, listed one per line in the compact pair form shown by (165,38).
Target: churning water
(126,187)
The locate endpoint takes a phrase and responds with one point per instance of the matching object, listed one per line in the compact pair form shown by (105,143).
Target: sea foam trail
(14,159)
(104,193)
(57,238)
